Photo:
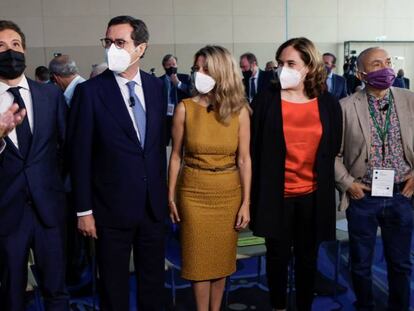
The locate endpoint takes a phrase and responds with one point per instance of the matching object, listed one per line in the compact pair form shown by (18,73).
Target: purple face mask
(381,79)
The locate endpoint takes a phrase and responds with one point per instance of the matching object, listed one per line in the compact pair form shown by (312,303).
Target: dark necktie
(24,134)
(252,88)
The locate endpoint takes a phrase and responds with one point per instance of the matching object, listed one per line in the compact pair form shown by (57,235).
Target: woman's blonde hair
(228,96)
(315,80)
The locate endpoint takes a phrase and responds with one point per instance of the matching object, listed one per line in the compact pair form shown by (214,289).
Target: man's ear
(359,75)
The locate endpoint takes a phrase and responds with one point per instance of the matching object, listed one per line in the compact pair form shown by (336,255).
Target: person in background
(401,81)
(336,83)
(209,195)
(378,140)
(32,194)
(177,86)
(65,73)
(97,69)
(255,80)
(42,74)
(271,66)
(296,134)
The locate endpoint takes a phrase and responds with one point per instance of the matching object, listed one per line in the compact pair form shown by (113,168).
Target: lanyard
(382,132)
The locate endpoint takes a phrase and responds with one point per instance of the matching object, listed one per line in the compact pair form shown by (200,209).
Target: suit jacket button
(366,160)
(144,178)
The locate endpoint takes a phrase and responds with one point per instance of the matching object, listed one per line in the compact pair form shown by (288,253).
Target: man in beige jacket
(374,172)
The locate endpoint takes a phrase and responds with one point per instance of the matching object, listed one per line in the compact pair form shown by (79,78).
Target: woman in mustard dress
(210,174)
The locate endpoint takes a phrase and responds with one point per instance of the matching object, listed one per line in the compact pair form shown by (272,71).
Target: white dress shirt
(125,94)
(7,99)
(70,89)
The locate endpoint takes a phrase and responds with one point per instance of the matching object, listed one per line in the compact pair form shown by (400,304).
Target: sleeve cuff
(2,145)
(80,214)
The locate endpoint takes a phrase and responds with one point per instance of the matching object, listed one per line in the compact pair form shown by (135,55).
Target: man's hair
(13,26)
(251,58)
(63,66)
(42,73)
(361,57)
(331,55)
(140,31)
(167,57)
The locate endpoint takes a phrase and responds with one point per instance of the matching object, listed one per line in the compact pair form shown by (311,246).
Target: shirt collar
(330,75)
(256,76)
(23,84)
(123,81)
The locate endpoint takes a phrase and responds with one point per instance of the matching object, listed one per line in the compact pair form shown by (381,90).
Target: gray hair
(97,69)
(63,66)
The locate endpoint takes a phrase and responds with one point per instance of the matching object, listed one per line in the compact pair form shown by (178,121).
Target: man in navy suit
(336,84)
(176,88)
(118,168)
(32,195)
(254,79)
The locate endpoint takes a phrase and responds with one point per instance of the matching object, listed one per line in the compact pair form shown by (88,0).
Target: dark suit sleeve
(80,144)
(185,84)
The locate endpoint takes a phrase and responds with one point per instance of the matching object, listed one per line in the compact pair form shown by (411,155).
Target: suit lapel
(12,146)
(150,107)
(114,102)
(40,104)
(361,107)
(401,106)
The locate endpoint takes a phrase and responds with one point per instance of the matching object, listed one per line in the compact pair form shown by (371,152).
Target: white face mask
(118,60)
(289,78)
(203,83)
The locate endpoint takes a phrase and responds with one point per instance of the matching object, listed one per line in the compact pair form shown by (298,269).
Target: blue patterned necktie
(23,132)
(139,112)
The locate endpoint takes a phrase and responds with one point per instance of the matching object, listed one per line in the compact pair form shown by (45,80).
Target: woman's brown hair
(228,96)
(315,80)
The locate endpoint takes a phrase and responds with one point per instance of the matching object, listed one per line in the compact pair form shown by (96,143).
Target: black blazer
(111,173)
(38,178)
(268,152)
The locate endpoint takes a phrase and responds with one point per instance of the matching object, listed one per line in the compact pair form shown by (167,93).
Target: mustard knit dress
(208,195)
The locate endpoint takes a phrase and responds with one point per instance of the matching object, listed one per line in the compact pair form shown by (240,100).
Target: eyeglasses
(119,43)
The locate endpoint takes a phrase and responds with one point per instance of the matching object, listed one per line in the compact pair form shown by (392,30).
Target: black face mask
(170,71)
(247,74)
(12,64)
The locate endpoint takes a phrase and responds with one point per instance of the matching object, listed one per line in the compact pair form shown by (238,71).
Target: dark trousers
(300,232)
(147,239)
(394,216)
(48,249)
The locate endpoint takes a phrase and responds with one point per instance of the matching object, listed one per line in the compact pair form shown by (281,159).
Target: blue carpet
(248,290)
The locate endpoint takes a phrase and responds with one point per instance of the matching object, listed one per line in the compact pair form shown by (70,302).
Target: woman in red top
(296,134)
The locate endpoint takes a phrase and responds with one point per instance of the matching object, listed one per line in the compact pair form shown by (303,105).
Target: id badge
(170,110)
(382,182)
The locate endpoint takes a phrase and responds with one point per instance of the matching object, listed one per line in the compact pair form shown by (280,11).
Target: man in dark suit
(32,195)
(118,168)
(401,81)
(336,84)
(176,88)
(255,80)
